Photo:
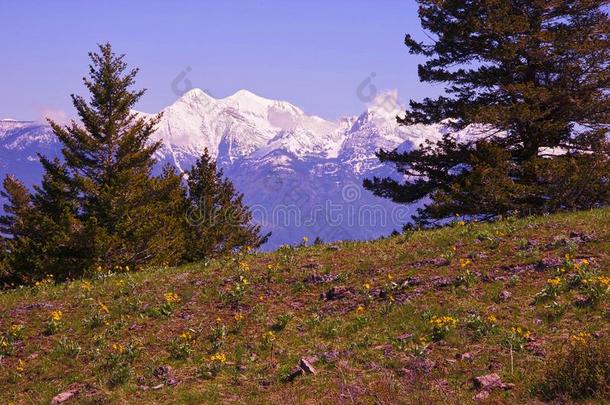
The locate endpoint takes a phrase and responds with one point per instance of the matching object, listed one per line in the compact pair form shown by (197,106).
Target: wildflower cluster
(419,347)
(581,338)
(268,339)
(236,293)
(595,288)
(517,338)
(212,366)
(118,361)
(54,323)
(86,286)
(180,348)
(8,339)
(171,299)
(576,274)
(481,326)
(442,325)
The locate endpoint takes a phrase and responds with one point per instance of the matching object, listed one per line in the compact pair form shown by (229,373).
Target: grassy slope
(360,357)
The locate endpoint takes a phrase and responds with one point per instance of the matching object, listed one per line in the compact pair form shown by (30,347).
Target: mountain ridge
(261,143)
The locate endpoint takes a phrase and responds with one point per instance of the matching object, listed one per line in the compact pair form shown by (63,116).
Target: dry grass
(237,327)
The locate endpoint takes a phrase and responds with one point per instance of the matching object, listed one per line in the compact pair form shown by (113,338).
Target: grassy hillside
(408,319)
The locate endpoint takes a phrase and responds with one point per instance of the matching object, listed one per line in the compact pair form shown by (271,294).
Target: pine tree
(109,159)
(219,222)
(535,75)
(17,206)
(100,206)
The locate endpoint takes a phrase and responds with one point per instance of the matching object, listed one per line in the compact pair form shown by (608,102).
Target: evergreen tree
(110,157)
(17,206)
(219,221)
(535,75)
(100,206)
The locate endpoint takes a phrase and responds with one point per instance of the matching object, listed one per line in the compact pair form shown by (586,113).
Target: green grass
(262,315)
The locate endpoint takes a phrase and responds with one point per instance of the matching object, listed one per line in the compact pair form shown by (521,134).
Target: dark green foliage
(100,208)
(218,220)
(535,75)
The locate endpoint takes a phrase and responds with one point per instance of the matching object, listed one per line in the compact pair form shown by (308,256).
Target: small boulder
(336,293)
(490,382)
(303,367)
(505,295)
(549,263)
(441,282)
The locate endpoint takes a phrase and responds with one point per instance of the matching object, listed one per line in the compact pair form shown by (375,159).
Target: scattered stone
(162,371)
(581,237)
(549,263)
(465,356)
(333,248)
(536,349)
(519,268)
(330,356)
(490,382)
(437,261)
(336,293)
(420,365)
(505,295)
(320,278)
(305,364)
(482,395)
(165,373)
(303,367)
(410,282)
(581,301)
(87,391)
(441,282)
(65,396)
(404,336)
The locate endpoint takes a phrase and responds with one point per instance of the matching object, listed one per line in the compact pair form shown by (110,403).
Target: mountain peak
(195,94)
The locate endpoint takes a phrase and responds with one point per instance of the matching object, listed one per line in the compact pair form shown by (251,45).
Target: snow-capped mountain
(300,174)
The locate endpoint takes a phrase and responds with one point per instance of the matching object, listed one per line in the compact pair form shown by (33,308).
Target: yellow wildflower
(186,335)
(443,321)
(86,286)
(367,286)
(117,347)
(464,262)
(580,338)
(171,297)
(239,316)
(360,309)
(20,367)
(218,357)
(56,315)
(492,319)
(554,282)
(103,307)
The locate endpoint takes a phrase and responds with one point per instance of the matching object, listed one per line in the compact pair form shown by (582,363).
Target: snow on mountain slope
(300,174)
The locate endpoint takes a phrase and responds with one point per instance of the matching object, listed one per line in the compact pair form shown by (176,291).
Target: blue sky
(312,53)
